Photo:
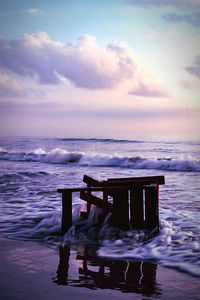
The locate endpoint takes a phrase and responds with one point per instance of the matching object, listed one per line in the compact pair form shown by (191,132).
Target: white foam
(39,151)
(62,156)
(171,248)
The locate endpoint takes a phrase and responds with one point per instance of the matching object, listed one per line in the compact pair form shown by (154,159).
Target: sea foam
(171,247)
(62,156)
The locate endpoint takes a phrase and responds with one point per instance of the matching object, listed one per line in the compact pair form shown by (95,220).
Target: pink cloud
(187,85)
(14,86)
(9,86)
(151,90)
(86,64)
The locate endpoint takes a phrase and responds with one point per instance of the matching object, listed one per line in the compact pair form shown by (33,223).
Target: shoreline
(29,270)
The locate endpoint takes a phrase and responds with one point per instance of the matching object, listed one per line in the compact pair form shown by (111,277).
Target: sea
(32,169)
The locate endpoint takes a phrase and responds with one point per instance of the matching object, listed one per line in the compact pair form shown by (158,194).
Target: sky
(109,68)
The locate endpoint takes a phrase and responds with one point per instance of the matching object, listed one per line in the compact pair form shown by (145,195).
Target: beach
(92,261)
(28,271)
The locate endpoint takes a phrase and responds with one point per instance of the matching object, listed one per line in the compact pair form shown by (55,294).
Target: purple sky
(116,69)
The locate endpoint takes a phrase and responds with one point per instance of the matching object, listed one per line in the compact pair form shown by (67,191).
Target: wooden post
(105,200)
(151,207)
(136,208)
(121,209)
(89,202)
(66,211)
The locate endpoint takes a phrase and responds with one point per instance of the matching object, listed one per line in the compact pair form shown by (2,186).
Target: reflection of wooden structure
(134,201)
(95,272)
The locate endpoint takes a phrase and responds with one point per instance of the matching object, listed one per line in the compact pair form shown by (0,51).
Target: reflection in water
(94,272)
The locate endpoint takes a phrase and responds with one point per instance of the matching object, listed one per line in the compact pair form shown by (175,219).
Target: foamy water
(63,156)
(30,208)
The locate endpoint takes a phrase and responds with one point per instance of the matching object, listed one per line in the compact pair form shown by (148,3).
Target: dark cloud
(193,4)
(193,18)
(194,69)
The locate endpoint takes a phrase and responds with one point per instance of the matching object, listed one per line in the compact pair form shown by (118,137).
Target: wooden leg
(89,202)
(136,208)
(151,207)
(121,210)
(66,211)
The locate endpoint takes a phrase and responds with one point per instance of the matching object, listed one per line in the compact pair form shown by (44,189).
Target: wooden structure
(134,201)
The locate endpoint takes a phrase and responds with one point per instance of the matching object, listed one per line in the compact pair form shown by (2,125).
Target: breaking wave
(61,156)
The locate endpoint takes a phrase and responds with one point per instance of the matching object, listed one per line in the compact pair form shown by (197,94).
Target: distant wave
(21,175)
(61,156)
(99,140)
(127,141)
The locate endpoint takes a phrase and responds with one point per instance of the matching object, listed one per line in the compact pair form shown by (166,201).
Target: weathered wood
(96,201)
(109,189)
(136,180)
(151,207)
(119,189)
(89,200)
(121,210)
(136,208)
(91,182)
(66,211)
(105,200)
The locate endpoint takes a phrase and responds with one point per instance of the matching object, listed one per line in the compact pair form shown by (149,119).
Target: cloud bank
(85,65)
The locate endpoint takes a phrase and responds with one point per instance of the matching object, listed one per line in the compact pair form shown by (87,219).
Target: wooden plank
(89,200)
(136,208)
(92,182)
(137,180)
(151,208)
(96,201)
(105,200)
(121,210)
(66,211)
(109,189)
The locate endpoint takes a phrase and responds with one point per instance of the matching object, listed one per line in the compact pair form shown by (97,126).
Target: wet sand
(29,270)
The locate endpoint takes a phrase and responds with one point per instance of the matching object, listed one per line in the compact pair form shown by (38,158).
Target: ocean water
(32,169)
